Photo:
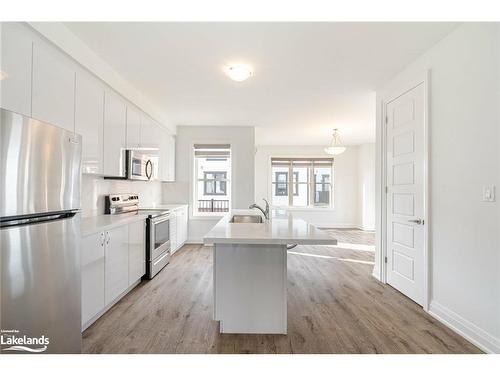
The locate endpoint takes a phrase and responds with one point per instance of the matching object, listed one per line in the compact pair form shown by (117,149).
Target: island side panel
(250,288)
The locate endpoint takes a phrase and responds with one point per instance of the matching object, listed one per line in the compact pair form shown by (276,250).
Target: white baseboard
(376,274)
(465,328)
(194,241)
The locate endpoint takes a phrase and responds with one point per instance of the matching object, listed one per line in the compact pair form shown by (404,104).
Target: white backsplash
(95,188)
(175,192)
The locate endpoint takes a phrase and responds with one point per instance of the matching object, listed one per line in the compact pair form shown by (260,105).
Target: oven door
(159,236)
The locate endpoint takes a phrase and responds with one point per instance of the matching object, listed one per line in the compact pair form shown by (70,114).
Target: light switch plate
(489,193)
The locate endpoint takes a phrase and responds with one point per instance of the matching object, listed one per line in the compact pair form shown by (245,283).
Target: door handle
(416,221)
(103,238)
(107,238)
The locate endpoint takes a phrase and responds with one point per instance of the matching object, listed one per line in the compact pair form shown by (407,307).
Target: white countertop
(96,224)
(282,228)
(170,206)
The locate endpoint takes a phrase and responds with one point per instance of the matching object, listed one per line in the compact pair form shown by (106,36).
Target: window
(212,176)
(281,186)
(311,180)
(214,183)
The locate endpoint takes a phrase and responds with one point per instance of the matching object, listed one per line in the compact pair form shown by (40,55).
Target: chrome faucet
(265,212)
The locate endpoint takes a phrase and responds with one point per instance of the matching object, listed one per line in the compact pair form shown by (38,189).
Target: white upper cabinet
(53,91)
(155,135)
(149,132)
(89,112)
(40,81)
(15,66)
(163,153)
(170,158)
(115,115)
(133,127)
(167,156)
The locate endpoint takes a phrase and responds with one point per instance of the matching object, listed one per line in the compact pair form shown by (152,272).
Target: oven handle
(160,220)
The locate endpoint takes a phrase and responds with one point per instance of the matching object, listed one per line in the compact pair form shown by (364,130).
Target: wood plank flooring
(334,306)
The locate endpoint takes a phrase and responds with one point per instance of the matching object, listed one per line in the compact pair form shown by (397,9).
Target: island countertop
(281,228)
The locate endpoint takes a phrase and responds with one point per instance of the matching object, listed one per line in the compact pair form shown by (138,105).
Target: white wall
(464,156)
(242,141)
(95,188)
(366,186)
(347,209)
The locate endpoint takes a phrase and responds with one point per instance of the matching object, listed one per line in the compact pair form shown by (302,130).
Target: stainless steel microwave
(142,164)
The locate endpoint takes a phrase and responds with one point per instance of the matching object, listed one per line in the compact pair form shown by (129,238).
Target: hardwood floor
(334,306)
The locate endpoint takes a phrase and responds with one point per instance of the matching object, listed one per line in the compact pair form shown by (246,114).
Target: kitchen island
(250,268)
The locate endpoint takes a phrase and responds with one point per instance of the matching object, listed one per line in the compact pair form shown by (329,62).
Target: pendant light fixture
(336,147)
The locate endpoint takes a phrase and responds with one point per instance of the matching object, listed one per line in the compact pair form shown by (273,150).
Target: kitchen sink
(246,219)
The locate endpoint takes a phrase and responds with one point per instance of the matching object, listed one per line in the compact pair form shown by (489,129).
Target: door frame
(386,97)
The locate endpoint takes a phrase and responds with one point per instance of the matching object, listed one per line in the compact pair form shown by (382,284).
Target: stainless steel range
(157,229)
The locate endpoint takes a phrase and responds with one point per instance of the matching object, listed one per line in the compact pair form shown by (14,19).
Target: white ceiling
(308,77)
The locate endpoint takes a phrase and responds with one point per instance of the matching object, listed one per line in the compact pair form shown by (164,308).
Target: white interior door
(405,193)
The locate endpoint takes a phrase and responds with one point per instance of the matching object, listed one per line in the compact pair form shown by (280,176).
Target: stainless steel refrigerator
(39,236)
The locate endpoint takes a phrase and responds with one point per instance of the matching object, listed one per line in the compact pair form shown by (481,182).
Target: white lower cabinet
(112,262)
(181,226)
(178,228)
(136,252)
(173,232)
(116,263)
(92,276)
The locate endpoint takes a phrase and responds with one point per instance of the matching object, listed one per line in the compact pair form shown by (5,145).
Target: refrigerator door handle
(14,221)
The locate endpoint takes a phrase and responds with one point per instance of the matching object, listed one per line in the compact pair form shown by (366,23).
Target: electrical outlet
(489,193)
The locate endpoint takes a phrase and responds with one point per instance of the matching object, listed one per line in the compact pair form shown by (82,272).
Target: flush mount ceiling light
(239,72)
(336,147)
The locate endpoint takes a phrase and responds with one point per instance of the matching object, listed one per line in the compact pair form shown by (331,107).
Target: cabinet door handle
(107,238)
(102,238)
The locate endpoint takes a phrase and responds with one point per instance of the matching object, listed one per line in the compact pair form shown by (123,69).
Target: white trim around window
(293,180)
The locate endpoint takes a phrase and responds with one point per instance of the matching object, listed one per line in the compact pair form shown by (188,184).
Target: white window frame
(311,185)
(214,180)
(194,185)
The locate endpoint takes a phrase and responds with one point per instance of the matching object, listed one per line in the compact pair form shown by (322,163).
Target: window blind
(212,150)
(305,162)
